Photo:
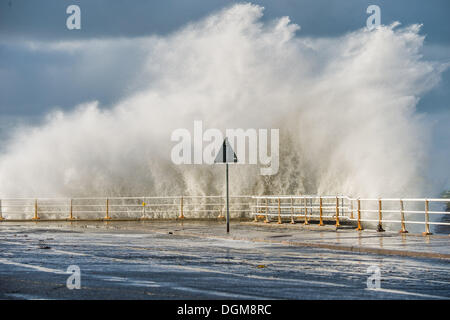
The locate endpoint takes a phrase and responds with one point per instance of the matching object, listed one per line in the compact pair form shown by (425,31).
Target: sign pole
(226,155)
(228,207)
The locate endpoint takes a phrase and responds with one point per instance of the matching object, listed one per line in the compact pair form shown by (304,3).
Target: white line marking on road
(408,293)
(31,266)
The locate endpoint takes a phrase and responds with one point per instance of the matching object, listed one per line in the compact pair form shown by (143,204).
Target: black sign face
(226,154)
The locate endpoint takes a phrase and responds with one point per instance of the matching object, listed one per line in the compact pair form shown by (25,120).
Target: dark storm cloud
(34,81)
(111,18)
(100,18)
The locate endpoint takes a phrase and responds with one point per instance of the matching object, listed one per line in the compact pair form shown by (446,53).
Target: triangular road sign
(226,153)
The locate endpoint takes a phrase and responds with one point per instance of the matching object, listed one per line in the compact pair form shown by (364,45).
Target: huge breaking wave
(345,107)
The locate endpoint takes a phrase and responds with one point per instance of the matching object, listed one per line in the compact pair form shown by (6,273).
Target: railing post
(222,206)
(256,210)
(36,217)
(181,208)
(337,212)
(320,212)
(351,209)
(107,217)
(279,212)
(306,211)
(267,212)
(143,209)
(1,215)
(71,211)
(380,217)
(359,228)
(292,211)
(402,215)
(427,225)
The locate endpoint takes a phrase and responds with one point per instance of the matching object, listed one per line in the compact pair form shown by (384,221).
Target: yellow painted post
(36,217)
(267,212)
(359,228)
(143,209)
(320,212)
(427,225)
(351,209)
(181,208)
(1,215)
(402,214)
(380,217)
(292,211)
(279,212)
(71,211)
(306,212)
(107,210)
(337,213)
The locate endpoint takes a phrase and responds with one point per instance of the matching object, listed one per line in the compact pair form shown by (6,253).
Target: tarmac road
(156,261)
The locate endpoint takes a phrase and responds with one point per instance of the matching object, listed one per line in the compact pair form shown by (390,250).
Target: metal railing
(122,208)
(356,210)
(362,212)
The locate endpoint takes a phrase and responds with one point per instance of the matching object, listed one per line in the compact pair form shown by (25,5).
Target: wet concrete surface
(173,260)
